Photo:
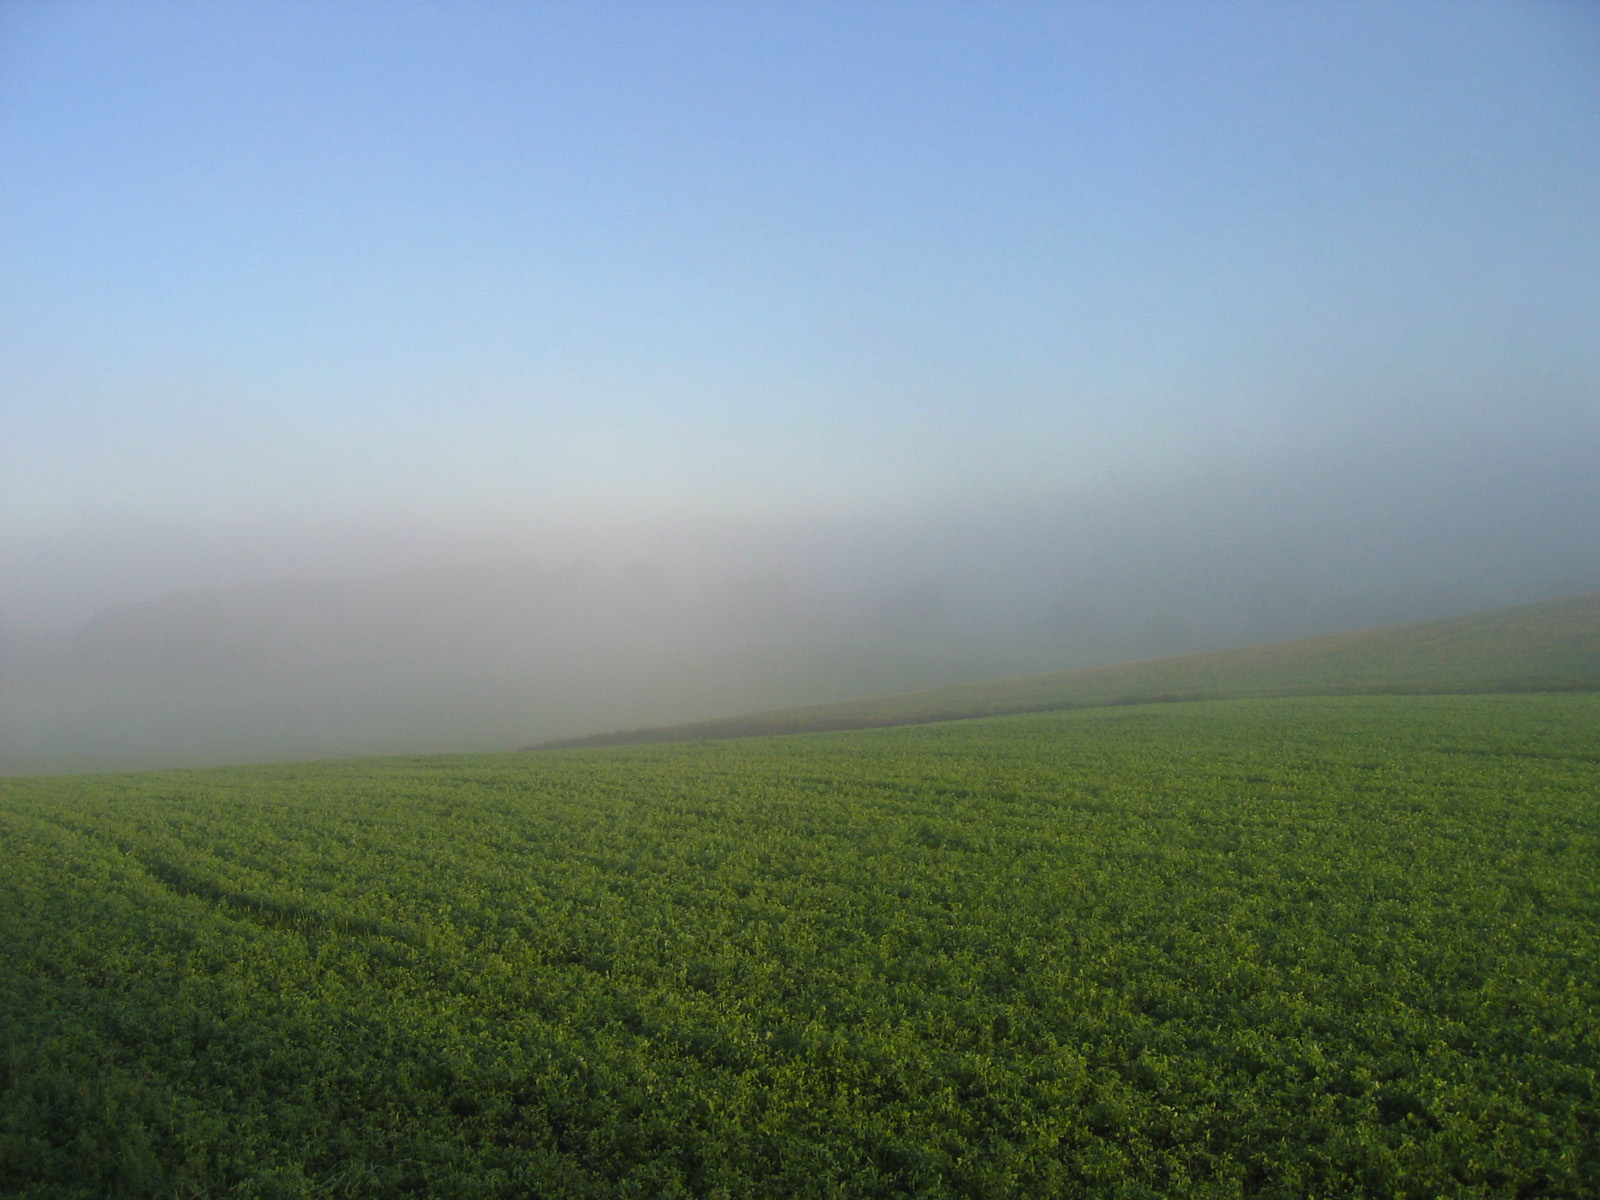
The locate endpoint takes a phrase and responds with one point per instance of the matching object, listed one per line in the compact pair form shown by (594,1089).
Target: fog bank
(509,637)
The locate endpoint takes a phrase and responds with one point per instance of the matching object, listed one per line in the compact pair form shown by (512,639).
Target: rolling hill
(1548,646)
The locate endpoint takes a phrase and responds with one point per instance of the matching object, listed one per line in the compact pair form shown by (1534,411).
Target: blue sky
(279,263)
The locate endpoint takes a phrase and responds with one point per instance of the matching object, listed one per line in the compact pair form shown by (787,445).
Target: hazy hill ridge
(1548,646)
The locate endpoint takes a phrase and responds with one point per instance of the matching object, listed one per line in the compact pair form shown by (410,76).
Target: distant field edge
(756,725)
(1549,646)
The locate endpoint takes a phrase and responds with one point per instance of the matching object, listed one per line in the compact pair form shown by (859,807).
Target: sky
(306,289)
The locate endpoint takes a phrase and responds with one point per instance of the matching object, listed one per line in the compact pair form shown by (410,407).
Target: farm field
(1553,645)
(1291,947)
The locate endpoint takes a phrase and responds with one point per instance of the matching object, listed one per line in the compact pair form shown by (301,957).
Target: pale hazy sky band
(273,262)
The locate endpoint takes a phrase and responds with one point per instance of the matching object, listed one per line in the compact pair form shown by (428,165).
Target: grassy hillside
(1550,646)
(1334,947)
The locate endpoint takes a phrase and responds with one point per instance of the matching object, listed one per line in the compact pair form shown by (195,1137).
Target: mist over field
(452,379)
(353,649)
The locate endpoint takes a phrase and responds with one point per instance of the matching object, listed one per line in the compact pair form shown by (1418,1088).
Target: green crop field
(1336,946)
(1553,645)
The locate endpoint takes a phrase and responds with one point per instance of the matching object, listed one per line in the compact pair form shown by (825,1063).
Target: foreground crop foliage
(1331,947)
